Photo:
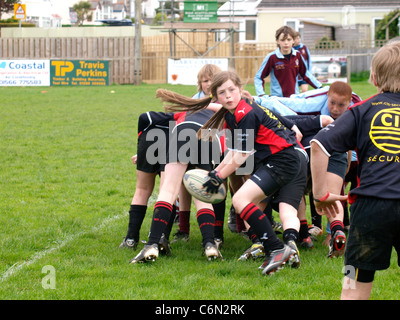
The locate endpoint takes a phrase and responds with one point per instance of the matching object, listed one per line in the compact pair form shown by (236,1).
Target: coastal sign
(20,73)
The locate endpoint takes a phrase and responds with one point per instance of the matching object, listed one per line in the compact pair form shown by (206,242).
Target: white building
(244,13)
(55,13)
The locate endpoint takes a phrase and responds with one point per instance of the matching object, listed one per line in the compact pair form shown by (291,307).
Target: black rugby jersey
(198,118)
(255,128)
(186,147)
(153,119)
(372,128)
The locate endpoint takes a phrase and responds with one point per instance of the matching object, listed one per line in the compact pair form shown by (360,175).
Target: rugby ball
(193,181)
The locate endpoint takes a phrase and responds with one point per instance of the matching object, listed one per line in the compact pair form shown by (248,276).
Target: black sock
(136,217)
(219,210)
(290,234)
(268,212)
(206,220)
(316,219)
(303,233)
(336,226)
(161,216)
(262,227)
(168,229)
(252,235)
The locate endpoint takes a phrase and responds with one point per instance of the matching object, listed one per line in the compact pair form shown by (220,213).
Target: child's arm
(214,106)
(262,73)
(231,162)
(307,75)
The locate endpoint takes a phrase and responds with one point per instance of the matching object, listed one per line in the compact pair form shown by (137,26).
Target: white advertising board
(24,72)
(184,71)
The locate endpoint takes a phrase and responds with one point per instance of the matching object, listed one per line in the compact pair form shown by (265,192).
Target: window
(375,24)
(296,24)
(250,30)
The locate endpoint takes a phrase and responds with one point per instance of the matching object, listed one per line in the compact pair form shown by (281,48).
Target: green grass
(66,182)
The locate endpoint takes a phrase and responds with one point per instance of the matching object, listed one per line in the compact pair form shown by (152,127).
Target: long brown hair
(178,102)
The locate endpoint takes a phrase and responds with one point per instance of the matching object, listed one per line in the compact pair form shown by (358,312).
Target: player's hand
(330,205)
(134,159)
(214,182)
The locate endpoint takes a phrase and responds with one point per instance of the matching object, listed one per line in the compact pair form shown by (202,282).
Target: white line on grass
(19,266)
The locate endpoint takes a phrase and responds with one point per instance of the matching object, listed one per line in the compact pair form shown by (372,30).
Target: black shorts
(283,177)
(374,231)
(338,164)
(185,147)
(154,160)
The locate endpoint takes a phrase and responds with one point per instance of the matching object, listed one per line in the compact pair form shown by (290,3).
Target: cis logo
(385,130)
(62,67)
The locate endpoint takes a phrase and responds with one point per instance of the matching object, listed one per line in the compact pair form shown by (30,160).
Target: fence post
(138,43)
(348,69)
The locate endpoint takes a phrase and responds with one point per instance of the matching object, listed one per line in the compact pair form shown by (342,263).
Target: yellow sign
(79,72)
(20,11)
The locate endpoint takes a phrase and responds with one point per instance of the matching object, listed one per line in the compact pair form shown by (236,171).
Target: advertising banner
(24,73)
(184,71)
(200,11)
(79,73)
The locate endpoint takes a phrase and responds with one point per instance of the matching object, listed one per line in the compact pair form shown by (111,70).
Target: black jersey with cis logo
(372,128)
(254,128)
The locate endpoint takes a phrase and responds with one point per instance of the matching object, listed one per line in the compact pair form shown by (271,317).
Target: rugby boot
(337,244)
(255,251)
(148,253)
(211,251)
(294,260)
(180,235)
(129,243)
(164,246)
(277,227)
(307,243)
(276,260)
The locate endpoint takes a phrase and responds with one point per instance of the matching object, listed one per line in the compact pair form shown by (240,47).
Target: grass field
(66,182)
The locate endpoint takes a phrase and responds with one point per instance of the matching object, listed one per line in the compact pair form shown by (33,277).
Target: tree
(82,9)
(167,10)
(7,5)
(380,33)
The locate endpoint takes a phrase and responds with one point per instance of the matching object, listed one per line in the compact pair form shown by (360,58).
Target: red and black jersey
(185,147)
(254,128)
(198,118)
(152,119)
(372,128)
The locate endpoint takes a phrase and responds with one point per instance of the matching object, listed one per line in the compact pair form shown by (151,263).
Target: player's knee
(238,202)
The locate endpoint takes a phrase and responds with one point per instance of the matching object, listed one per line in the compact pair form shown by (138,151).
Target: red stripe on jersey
(180,117)
(222,141)
(361,102)
(241,110)
(269,137)
(177,115)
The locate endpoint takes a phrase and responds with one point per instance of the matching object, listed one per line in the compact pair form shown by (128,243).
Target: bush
(16,25)
(360,76)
